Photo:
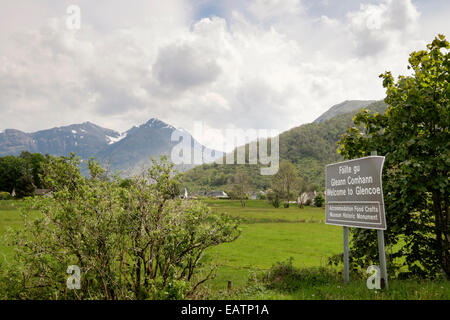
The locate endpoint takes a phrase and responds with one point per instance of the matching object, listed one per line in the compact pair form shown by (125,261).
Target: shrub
(319,200)
(261,196)
(284,276)
(276,201)
(5,195)
(273,198)
(139,241)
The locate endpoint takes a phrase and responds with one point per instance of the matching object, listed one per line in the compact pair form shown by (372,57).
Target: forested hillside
(309,147)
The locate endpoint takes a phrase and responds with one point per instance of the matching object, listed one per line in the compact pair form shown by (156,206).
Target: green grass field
(9,218)
(271,235)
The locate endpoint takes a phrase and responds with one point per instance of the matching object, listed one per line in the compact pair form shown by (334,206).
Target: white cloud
(377,27)
(264,9)
(184,66)
(268,65)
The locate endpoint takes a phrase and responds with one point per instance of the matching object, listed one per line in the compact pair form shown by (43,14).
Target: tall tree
(22,173)
(34,166)
(413,134)
(11,170)
(286,182)
(241,186)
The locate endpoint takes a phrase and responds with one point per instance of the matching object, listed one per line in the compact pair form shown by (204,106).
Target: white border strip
(364,222)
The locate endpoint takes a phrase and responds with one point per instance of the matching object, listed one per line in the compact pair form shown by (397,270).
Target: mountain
(83,139)
(127,152)
(343,107)
(309,147)
(134,148)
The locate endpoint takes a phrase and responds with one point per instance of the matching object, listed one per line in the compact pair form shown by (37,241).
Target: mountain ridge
(127,151)
(343,107)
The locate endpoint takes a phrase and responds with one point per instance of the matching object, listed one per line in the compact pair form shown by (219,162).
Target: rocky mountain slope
(127,152)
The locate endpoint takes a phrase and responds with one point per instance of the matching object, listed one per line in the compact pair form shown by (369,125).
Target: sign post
(382,254)
(354,198)
(346,264)
(382,251)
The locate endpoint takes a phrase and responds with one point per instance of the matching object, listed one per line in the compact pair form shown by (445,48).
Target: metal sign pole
(382,252)
(346,262)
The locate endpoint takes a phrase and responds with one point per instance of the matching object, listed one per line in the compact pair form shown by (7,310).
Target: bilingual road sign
(354,194)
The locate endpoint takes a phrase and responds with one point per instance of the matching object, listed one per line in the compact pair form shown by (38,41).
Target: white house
(307,196)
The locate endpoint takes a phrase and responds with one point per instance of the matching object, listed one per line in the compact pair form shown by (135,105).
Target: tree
(286,181)
(413,134)
(131,240)
(241,186)
(11,169)
(273,198)
(34,166)
(22,173)
(319,200)
(24,186)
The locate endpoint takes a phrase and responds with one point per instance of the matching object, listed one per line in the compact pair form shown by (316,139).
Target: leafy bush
(284,276)
(5,195)
(139,241)
(261,196)
(319,200)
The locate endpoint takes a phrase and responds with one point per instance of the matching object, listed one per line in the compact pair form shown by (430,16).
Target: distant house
(217,195)
(253,196)
(42,192)
(197,194)
(306,197)
(257,195)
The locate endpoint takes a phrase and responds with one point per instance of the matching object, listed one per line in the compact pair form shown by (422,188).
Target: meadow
(271,235)
(9,218)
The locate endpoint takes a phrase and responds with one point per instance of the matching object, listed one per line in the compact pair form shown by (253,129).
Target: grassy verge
(270,235)
(9,218)
(285,281)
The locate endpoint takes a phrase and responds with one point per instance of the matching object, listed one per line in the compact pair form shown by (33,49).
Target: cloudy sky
(263,64)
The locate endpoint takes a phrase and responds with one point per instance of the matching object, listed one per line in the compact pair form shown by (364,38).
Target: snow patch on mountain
(112,140)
